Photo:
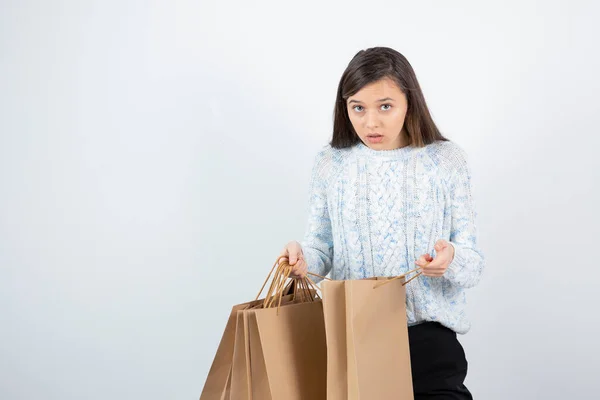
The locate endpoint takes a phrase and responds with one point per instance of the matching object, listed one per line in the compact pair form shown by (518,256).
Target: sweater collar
(394,154)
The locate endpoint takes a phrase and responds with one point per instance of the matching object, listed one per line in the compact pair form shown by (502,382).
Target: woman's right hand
(293,251)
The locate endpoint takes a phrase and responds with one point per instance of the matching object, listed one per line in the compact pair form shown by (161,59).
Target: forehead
(377,90)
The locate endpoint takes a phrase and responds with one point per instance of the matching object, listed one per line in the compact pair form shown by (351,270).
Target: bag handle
(282,283)
(401,276)
(302,286)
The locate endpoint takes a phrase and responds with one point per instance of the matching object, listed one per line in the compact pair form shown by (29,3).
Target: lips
(374,138)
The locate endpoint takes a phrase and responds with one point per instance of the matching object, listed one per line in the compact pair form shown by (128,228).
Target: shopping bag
(248,376)
(220,370)
(288,352)
(366,329)
(219,378)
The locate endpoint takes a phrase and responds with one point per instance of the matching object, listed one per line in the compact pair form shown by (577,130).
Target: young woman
(390,192)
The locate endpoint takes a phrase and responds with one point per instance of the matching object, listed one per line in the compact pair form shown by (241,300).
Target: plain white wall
(154,159)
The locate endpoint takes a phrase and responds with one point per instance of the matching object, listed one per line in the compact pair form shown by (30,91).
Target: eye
(386,105)
(357,108)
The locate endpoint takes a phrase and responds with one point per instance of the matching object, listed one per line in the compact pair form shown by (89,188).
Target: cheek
(397,117)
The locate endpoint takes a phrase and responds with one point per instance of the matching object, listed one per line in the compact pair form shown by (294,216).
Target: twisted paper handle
(282,283)
(401,276)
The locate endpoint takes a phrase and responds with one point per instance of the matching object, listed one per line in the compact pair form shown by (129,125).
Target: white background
(155,157)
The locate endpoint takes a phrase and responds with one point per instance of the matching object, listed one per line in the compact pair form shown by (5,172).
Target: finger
(302,269)
(293,256)
(435,265)
(294,273)
(296,267)
(295,252)
(303,264)
(421,261)
(433,273)
(299,263)
(425,258)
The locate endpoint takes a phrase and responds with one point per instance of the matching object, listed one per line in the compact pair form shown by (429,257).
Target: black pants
(438,362)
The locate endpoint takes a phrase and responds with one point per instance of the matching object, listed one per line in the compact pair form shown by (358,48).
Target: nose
(371,120)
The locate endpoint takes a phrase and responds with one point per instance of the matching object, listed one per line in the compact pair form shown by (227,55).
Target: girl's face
(377,113)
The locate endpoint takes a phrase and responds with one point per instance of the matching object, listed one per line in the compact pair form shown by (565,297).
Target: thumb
(293,251)
(440,245)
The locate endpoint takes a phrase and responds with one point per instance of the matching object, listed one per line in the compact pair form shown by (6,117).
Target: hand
(293,251)
(443,257)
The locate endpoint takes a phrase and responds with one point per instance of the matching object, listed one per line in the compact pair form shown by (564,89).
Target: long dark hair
(369,66)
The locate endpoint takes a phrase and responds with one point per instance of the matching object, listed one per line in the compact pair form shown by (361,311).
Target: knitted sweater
(374,212)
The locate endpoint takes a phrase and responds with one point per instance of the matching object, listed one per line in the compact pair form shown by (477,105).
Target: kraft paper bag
(219,379)
(235,369)
(248,372)
(288,355)
(368,354)
(220,371)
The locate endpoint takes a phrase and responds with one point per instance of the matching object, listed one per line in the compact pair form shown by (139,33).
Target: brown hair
(369,66)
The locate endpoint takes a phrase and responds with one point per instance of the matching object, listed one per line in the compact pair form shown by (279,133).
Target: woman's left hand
(444,254)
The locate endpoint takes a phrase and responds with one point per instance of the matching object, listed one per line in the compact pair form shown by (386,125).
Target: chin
(375,145)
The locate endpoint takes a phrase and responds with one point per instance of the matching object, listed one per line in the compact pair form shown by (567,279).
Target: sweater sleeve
(317,244)
(466,268)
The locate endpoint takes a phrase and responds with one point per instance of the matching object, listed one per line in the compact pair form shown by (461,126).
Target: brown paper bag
(230,376)
(247,369)
(240,367)
(220,370)
(288,352)
(218,381)
(367,340)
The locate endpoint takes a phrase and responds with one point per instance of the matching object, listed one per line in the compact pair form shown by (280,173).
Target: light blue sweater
(374,212)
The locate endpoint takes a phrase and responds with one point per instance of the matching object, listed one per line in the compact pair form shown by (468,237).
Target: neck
(403,139)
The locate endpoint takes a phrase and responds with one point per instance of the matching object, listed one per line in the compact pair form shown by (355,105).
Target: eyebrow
(380,100)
